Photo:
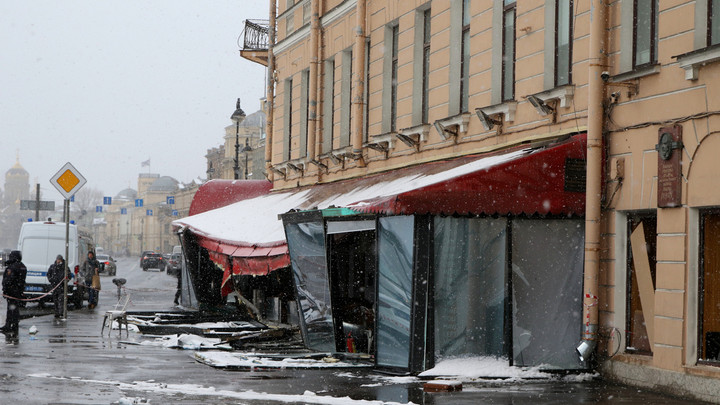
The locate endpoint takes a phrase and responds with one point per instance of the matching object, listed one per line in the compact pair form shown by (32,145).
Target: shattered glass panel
(306,244)
(470,262)
(395,246)
(547,270)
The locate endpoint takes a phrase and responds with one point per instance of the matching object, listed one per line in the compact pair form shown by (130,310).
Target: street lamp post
(237,117)
(246,150)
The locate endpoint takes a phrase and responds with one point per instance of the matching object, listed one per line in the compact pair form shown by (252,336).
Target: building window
(287,121)
(709,302)
(645,33)
(366,92)
(641,263)
(346,98)
(329,105)
(394,79)
(563,38)
(426,66)
(306,12)
(713,22)
(289,24)
(304,111)
(508,54)
(465,57)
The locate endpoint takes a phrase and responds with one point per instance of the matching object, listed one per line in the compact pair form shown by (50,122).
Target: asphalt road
(70,362)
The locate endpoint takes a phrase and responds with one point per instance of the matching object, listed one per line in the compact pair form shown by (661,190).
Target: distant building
(131,228)
(17,187)
(221,160)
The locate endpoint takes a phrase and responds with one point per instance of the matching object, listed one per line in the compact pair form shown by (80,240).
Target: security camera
(605,76)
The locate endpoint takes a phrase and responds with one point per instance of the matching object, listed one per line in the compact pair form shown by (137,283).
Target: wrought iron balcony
(255,41)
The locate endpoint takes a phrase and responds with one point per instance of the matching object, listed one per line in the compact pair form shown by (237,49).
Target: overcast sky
(107,85)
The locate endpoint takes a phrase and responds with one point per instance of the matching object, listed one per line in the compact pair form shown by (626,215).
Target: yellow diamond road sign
(68,180)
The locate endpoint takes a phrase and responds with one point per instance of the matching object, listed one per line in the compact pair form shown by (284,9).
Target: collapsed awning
(546,180)
(540,179)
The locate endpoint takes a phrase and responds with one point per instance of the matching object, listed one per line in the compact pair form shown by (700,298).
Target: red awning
(543,181)
(219,193)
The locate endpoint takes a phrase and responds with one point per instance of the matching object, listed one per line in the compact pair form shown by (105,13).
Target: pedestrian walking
(55,277)
(13,286)
(90,268)
(179,287)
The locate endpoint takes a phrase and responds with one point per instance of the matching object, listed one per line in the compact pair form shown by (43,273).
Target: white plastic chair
(119,314)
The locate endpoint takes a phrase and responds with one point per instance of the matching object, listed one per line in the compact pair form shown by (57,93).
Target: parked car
(174,264)
(153,261)
(107,264)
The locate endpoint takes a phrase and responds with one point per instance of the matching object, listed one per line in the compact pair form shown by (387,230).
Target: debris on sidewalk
(260,361)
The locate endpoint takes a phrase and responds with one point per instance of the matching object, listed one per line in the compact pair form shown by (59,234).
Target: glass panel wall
(306,243)
(470,268)
(547,277)
(395,264)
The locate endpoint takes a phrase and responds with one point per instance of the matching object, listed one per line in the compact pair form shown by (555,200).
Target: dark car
(152,261)
(174,264)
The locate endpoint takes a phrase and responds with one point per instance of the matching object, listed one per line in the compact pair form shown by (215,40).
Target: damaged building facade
(527,180)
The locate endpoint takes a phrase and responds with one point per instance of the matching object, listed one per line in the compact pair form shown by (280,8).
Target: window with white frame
(645,33)
(287,119)
(304,111)
(328,105)
(563,41)
(508,50)
(465,57)
(346,98)
(713,24)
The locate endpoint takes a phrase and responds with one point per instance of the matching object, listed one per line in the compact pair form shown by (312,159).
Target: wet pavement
(71,363)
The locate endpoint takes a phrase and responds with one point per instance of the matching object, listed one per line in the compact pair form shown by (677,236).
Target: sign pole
(37,202)
(66,213)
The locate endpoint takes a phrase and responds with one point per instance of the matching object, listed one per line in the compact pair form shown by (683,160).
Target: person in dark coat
(13,285)
(88,269)
(55,277)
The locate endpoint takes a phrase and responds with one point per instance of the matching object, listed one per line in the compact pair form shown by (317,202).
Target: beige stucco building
(364,87)
(125,227)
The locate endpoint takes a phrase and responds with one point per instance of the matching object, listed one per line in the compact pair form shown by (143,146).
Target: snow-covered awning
(531,180)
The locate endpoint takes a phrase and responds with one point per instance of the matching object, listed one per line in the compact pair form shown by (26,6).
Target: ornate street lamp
(237,117)
(246,150)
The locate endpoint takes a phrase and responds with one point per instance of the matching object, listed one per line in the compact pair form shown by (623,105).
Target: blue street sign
(139,202)
(107,200)
(98,208)
(174,213)
(170,199)
(148,213)
(72,198)
(123,211)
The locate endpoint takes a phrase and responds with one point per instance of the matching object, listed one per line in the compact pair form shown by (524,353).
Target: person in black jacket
(89,268)
(13,284)
(55,277)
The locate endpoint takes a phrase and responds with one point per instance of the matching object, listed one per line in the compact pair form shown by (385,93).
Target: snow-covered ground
(169,390)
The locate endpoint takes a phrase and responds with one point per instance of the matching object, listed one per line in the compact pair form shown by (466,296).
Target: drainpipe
(593,188)
(270,93)
(359,83)
(314,71)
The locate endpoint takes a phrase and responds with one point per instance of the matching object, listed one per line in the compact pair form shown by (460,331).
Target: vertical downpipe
(314,72)
(359,82)
(270,92)
(593,189)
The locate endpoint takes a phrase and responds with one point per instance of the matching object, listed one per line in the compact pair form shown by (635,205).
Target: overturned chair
(118,312)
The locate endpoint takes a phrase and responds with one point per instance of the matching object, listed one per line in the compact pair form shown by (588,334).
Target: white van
(40,243)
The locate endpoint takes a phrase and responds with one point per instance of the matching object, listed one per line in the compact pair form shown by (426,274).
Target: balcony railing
(255,35)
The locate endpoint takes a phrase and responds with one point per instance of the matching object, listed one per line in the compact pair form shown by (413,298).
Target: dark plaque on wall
(669,150)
